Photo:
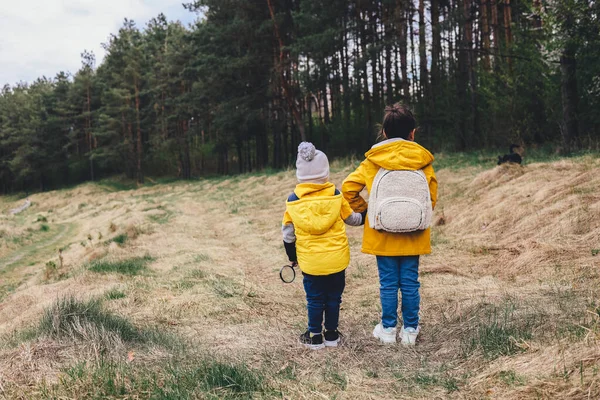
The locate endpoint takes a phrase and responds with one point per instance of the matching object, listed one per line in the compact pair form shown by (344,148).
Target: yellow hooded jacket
(318,217)
(394,154)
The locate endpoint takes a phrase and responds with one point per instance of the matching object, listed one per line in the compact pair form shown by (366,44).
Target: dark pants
(324,295)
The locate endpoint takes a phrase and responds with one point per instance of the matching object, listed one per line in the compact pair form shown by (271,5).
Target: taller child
(397,253)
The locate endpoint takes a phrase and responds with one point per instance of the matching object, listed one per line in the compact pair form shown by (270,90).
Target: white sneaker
(385,335)
(409,335)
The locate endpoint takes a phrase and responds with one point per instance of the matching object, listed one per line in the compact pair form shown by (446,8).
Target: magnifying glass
(287,273)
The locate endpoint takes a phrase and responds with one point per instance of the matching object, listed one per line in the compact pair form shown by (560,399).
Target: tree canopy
(237,90)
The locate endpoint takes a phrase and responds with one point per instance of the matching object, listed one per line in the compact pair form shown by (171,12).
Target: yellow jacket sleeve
(351,188)
(433,184)
(287,219)
(346,210)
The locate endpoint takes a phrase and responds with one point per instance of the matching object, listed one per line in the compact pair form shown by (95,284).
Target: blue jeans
(399,272)
(324,295)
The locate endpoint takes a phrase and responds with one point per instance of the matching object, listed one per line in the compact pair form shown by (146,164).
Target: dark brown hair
(398,121)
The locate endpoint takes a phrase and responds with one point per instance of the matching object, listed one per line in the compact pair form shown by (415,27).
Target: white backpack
(399,201)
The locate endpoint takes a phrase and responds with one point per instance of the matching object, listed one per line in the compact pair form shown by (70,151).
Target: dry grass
(510,295)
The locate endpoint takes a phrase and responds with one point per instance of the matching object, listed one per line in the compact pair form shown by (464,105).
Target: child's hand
(294,264)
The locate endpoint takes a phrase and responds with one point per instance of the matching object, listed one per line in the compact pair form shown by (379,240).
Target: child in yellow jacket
(397,253)
(314,236)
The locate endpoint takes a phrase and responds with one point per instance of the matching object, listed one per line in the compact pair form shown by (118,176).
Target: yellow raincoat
(318,217)
(394,154)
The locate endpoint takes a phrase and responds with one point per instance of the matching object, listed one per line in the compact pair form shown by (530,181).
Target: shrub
(499,332)
(69,317)
(114,294)
(132,266)
(120,239)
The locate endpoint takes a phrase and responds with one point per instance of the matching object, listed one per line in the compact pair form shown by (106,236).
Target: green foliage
(117,185)
(44,228)
(132,266)
(67,317)
(429,379)
(233,92)
(511,378)
(114,294)
(120,239)
(88,321)
(6,289)
(161,218)
(207,378)
(198,258)
(338,379)
(500,331)
(455,160)
(224,287)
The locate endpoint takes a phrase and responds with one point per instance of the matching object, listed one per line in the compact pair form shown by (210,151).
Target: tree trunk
(413,65)
(139,150)
(485,34)
(508,29)
(262,147)
(325,97)
(436,48)
(365,77)
(187,161)
(507,23)
(287,92)
(375,65)
(238,146)
(471,65)
(276,128)
(89,128)
(568,69)
(345,76)
(335,87)
(537,17)
(402,27)
(389,87)
(495,26)
(423,73)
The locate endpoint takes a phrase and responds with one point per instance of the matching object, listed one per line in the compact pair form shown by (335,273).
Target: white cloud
(43,37)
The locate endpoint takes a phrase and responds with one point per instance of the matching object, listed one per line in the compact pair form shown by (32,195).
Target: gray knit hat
(312,165)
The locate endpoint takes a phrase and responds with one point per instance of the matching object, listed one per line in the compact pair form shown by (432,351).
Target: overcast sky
(43,37)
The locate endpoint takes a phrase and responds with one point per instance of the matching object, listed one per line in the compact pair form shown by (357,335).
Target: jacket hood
(317,210)
(397,154)
(314,189)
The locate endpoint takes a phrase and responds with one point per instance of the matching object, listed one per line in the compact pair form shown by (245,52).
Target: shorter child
(314,236)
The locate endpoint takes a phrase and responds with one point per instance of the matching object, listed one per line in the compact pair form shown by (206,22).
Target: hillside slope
(162,291)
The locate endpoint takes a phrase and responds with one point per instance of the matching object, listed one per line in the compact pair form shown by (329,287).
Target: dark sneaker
(313,341)
(332,338)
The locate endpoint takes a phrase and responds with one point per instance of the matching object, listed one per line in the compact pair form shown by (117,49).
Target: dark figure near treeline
(512,157)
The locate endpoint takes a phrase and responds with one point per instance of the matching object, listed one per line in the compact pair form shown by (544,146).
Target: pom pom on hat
(312,165)
(306,151)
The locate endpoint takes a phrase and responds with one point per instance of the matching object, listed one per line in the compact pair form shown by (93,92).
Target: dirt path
(38,248)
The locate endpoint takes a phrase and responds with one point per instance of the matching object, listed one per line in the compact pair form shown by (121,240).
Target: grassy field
(171,291)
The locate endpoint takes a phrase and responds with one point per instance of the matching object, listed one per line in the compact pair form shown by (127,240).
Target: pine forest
(238,90)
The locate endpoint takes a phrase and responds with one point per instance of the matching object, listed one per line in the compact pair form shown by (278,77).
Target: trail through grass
(60,235)
(510,295)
